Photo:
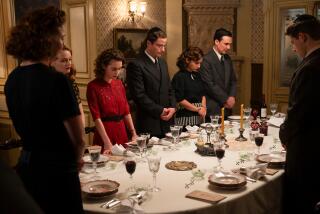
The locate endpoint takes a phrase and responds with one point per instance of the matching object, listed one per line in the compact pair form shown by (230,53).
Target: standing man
(218,76)
(149,85)
(298,136)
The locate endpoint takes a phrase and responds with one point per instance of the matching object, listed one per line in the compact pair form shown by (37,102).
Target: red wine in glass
(220,153)
(258,140)
(130,167)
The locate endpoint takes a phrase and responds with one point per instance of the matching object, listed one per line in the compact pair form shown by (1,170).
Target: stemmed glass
(147,136)
(141,143)
(154,165)
(175,133)
(247,112)
(94,152)
(209,130)
(220,148)
(273,108)
(259,140)
(130,164)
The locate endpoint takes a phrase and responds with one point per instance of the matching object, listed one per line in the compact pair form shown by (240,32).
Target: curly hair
(190,54)
(38,35)
(104,60)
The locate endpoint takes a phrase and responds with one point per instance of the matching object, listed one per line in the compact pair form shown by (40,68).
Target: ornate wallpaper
(257,31)
(112,14)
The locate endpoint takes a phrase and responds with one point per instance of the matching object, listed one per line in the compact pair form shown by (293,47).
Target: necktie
(157,64)
(222,60)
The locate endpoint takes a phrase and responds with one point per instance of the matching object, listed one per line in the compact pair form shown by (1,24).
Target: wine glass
(247,112)
(209,130)
(94,152)
(273,108)
(259,140)
(175,133)
(130,164)
(220,148)
(141,143)
(147,136)
(154,165)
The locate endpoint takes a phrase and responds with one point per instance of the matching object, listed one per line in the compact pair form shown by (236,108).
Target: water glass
(94,152)
(154,166)
(273,108)
(141,143)
(175,130)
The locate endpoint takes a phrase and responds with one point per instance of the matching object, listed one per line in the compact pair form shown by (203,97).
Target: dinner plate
(133,144)
(227,181)
(100,188)
(234,117)
(182,135)
(275,158)
(101,162)
(181,165)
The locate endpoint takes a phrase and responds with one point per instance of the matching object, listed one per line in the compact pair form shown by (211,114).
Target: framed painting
(129,41)
(289,59)
(21,7)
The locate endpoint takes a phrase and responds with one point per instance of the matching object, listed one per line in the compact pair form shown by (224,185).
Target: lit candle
(241,116)
(222,120)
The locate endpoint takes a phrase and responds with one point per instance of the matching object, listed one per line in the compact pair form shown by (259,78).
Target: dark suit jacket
(151,91)
(300,134)
(219,83)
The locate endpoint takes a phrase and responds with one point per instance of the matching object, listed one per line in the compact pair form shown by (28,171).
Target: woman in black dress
(188,88)
(45,114)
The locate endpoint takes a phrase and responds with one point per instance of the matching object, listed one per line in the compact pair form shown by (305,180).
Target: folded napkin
(276,121)
(133,202)
(192,128)
(120,150)
(157,141)
(257,171)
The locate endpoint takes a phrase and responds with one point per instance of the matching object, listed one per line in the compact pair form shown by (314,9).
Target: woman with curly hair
(45,113)
(188,87)
(108,103)
(62,62)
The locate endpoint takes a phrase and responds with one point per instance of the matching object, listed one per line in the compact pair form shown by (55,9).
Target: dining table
(260,196)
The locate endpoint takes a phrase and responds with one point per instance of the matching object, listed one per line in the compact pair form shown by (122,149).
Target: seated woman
(189,90)
(62,62)
(108,103)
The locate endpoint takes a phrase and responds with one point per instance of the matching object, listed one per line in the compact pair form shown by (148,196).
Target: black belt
(112,118)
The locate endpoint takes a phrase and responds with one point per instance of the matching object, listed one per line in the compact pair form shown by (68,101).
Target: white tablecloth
(264,196)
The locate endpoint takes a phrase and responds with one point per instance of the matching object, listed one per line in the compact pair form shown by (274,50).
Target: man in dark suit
(218,75)
(150,88)
(299,133)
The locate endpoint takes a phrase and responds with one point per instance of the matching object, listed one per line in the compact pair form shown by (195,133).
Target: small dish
(100,188)
(101,162)
(227,181)
(182,135)
(273,159)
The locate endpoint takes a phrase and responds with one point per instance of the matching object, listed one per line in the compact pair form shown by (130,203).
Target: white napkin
(120,150)
(276,121)
(192,128)
(133,202)
(257,171)
(157,141)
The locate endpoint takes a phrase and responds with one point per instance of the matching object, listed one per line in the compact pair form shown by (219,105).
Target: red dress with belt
(108,101)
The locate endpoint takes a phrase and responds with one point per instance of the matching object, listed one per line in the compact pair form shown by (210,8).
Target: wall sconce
(136,10)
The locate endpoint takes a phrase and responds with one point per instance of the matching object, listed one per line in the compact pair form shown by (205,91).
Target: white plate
(234,117)
(100,188)
(182,135)
(227,181)
(102,159)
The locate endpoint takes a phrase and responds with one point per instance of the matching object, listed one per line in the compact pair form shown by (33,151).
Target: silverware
(251,179)
(111,203)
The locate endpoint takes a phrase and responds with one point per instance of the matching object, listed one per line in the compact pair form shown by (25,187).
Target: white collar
(218,54)
(152,59)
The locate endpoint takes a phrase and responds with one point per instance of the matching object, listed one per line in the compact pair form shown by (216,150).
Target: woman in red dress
(108,103)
